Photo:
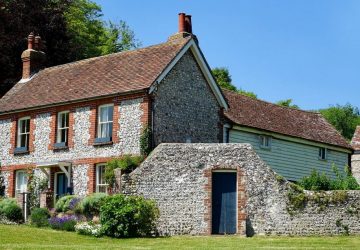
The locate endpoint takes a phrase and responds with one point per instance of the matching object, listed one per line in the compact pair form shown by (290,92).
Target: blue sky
(307,50)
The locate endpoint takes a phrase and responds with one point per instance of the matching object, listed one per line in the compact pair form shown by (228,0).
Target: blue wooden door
(224,203)
(61,185)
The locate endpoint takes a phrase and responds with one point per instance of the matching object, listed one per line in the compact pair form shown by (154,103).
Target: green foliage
(39,217)
(72,29)
(343,118)
(224,80)
(316,181)
(128,216)
(90,205)
(91,36)
(11,210)
(68,203)
(145,141)
(287,103)
(297,198)
(36,185)
(126,163)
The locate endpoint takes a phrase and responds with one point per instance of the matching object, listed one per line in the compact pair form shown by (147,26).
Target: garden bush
(126,163)
(65,223)
(128,216)
(321,182)
(90,205)
(68,203)
(11,210)
(39,217)
(88,228)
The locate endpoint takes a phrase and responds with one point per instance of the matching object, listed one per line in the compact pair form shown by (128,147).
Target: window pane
(103,114)
(110,113)
(67,119)
(63,135)
(27,125)
(62,120)
(21,182)
(102,189)
(110,127)
(22,140)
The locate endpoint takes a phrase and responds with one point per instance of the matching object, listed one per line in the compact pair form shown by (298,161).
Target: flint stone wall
(174,176)
(355,166)
(185,109)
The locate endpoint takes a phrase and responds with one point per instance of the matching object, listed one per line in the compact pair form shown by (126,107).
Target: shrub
(11,210)
(88,228)
(128,216)
(126,163)
(36,185)
(67,203)
(342,181)
(315,181)
(39,217)
(145,141)
(65,223)
(90,205)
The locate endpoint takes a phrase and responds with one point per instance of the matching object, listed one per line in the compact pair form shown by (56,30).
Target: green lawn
(25,237)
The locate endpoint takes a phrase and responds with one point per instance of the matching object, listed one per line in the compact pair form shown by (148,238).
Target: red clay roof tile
(95,77)
(267,116)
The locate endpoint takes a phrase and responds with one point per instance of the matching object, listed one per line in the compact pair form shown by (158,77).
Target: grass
(26,237)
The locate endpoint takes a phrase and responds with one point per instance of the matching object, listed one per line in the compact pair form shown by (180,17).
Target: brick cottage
(64,123)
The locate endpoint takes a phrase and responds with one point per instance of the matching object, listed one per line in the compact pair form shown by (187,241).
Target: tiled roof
(94,77)
(267,116)
(355,141)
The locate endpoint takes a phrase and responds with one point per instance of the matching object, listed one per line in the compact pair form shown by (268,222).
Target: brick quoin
(241,199)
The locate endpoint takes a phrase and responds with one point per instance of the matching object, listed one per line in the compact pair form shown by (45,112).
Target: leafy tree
(343,118)
(223,78)
(72,29)
(287,103)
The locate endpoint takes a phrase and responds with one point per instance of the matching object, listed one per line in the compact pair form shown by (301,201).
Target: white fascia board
(291,138)
(203,66)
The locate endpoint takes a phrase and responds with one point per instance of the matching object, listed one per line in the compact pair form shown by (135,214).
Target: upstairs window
(322,153)
(62,128)
(105,123)
(23,134)
(265,142)
(101,185)
(21,182)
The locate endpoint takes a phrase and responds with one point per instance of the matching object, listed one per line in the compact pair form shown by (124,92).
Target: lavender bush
(66,223)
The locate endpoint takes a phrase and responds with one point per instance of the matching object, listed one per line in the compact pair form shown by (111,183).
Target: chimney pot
(188,24)
(37,42)
(31,40)
(182,25)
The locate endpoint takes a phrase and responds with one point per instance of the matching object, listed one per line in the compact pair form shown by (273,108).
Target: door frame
(55,183)
(237,195)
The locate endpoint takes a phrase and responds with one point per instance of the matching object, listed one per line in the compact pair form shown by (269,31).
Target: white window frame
(98,185)
(262,141)
(99,123)
(323,154)
(23,187)
(20,134)
(59,128)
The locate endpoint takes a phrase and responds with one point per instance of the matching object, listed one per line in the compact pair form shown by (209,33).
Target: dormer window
(62,135)
(23,135)
(105,123)
(265,142)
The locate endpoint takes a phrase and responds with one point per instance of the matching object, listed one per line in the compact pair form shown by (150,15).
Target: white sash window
(23,133)
(101,185)
(63,127)
(105,121)
(21,181)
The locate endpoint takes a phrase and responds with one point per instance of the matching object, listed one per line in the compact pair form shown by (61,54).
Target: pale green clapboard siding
(290,159)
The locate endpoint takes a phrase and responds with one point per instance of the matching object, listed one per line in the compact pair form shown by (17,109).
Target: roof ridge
(271,103)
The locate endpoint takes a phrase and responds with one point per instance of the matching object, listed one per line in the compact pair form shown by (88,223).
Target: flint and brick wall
(178,178)
(131,114)
(185,107)
(355,166)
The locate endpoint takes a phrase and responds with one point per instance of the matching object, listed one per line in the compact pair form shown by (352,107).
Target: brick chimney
(185,28)
(33,58)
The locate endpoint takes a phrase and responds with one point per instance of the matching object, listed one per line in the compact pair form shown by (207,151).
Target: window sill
(103,141)
(60,146)
(21,151)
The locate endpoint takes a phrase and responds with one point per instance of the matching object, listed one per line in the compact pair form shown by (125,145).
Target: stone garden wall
(177,177)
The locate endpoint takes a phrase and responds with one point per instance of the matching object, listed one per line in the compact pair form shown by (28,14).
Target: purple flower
(66,222)
(73,203)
